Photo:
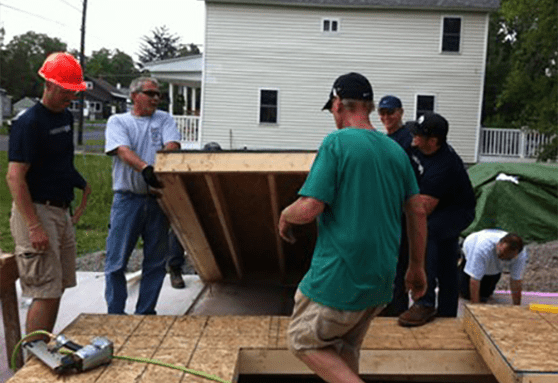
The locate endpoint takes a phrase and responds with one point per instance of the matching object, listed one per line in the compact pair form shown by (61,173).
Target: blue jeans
(176,252)
(132,216)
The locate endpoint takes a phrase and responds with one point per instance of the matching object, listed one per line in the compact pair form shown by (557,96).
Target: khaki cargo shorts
(45,275)
(314,326)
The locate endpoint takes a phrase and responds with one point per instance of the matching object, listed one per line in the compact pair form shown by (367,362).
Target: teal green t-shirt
(364,178)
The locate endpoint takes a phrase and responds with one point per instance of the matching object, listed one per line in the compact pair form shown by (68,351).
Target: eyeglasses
(151,93)
(386,111)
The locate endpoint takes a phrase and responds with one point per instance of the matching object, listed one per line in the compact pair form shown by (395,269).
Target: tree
(529,94)
(160,46)
(113,66)
(21,58)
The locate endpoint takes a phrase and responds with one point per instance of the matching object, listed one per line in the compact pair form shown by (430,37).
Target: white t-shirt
(145,136)
(480,253)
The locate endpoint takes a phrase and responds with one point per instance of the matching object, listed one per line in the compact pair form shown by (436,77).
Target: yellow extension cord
(133,359)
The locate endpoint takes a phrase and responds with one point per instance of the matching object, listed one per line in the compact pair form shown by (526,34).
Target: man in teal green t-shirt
(360,184)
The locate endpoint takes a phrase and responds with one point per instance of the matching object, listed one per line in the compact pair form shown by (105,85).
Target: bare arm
(130,158)
(415,279)
(516,289)
(173,145)
(474,290)
(19,190)
(428,202)
(81,208)
(303,210)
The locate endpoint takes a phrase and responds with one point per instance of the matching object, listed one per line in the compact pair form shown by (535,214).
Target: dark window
(424,104)
(268,106)
(330,25)
(452,34)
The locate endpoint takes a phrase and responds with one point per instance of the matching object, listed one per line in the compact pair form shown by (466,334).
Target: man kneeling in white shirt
(486,252)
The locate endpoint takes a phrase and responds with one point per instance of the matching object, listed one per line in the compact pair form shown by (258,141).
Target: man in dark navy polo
(41,177)
(449,200)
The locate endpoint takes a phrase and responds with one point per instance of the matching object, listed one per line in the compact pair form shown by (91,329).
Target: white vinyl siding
(257,47)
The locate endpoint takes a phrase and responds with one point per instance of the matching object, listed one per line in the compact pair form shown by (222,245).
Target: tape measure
(543,308)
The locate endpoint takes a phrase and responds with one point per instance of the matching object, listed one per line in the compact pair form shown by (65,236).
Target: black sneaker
(176,278)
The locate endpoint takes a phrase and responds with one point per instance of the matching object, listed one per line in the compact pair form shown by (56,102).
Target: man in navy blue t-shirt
(41,178)
(449,199)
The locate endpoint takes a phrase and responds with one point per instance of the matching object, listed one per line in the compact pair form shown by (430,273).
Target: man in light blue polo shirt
(133,139)
(486,254)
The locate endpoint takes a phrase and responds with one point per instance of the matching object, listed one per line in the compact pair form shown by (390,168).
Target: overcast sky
(112,24)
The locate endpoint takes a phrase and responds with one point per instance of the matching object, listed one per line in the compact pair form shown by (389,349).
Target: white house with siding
(269,65)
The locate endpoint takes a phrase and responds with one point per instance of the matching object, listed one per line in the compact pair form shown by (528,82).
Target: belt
(60,204)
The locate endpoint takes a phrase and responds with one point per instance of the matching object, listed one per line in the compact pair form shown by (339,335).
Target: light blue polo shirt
(145,136)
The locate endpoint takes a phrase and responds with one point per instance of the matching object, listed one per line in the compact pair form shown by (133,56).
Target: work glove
(150,178)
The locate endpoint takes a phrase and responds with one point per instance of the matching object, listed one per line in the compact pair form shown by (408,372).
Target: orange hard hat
(63,69)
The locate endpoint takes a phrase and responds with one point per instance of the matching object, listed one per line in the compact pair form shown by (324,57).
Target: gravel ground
(540,275)
(96,262)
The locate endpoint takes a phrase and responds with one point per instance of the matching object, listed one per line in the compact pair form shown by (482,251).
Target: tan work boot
(417,315)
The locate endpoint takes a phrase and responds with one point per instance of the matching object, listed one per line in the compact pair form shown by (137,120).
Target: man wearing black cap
(391,112)
(449,200)
(359,185)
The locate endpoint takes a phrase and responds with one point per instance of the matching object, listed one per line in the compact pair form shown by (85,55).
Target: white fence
(511,142)
(189,128)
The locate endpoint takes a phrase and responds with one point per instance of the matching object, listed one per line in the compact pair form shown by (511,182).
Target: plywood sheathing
(518,345)
(212,343)
(225,208)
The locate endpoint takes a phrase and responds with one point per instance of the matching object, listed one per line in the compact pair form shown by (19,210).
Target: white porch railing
(189,128)
(511,142)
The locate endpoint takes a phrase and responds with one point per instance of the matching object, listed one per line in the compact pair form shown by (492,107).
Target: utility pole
(82,63)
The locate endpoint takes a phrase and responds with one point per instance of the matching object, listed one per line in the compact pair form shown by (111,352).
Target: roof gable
(484,5)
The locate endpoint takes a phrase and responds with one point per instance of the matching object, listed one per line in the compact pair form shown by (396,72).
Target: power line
(32,14)
(71,6)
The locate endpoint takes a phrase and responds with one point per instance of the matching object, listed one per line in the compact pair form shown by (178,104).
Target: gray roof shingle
(485,5)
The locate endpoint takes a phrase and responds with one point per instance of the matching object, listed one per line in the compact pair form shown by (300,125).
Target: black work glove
(150,178)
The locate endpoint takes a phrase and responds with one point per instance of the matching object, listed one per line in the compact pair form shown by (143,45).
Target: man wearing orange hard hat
(41,178)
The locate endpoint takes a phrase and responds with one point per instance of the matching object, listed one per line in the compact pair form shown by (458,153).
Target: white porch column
(171,97)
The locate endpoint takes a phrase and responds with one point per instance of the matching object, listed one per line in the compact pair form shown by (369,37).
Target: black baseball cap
(352,86)
(430,124)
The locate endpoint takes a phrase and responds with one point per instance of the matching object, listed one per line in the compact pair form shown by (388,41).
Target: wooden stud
(10,312)
(188,228)
(225,221)
(275,212)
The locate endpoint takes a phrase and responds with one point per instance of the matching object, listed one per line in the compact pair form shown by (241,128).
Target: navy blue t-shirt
(44,139)
(442,175)
(403,137)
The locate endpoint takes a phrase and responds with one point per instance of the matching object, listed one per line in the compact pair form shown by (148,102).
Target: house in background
(23,104)
(101,100)
(183,74)
(269,66)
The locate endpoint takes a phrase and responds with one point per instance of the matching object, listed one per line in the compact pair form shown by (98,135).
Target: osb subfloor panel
(211,344)
(518,345)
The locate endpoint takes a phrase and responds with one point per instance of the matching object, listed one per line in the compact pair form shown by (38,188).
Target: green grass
(91,231)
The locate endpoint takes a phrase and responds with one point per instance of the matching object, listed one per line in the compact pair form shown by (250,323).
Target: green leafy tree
(21,58)
(529,94)
(112,66)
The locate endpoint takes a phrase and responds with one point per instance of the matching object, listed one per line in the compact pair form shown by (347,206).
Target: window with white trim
(74,106)
(89,84)
(451,34)
(95,106)
(330,25)
(269,106)
(425,103)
